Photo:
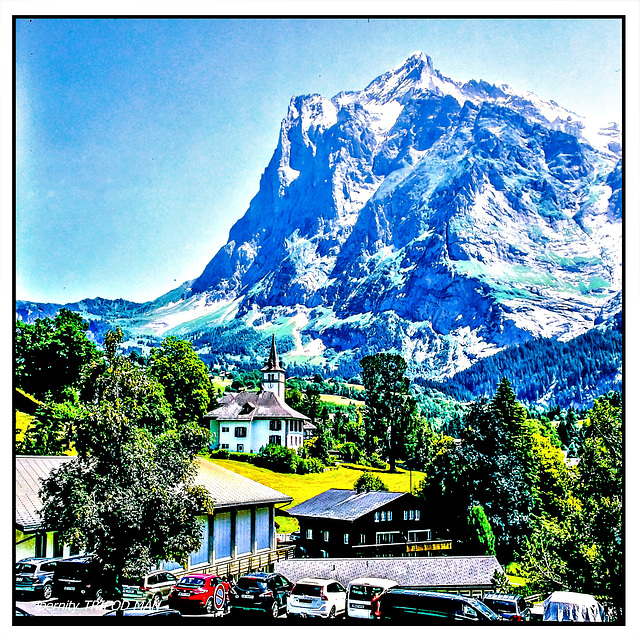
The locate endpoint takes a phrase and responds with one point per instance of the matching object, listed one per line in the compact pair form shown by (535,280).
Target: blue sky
(140,142)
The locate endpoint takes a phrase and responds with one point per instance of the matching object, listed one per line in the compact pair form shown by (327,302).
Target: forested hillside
(546,372)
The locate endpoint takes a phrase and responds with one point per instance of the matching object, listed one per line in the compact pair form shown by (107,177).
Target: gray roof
(253,406)
(435,572)
(30,472)
(343,504)
(228,489)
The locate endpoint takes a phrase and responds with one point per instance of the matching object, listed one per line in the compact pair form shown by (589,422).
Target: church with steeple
(247,421)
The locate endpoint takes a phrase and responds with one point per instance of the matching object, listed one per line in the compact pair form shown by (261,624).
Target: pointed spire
(273,363)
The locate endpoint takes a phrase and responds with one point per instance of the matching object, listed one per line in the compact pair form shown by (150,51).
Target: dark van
(80,578)
(417,606)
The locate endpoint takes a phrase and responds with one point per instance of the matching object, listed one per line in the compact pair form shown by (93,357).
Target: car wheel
(332,613)
(156,602)
(209,606)
(47,591)
(274,609)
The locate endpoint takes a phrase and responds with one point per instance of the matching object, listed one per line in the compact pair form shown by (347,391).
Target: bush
(222,454)
(350,452)
(310,465)
(376,461)
(368,482)
(278,458)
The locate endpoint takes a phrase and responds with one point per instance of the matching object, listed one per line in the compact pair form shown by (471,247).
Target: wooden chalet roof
(246,406)
(344,504)
(228,489)
(434,572)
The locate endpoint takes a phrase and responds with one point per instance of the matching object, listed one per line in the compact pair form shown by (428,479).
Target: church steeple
(273,376)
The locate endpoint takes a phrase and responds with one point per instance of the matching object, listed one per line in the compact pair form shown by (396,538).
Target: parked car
(264,592)
(34,576)
(165,613)
(199,591)
(412,604)
(508,606)
(21,612)
(315,597)
(81,578)
(153,588)
(361,592)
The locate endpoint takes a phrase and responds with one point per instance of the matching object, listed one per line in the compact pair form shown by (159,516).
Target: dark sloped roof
(434,572)
(228,489)
(343,504)
(272,363)
(253,406)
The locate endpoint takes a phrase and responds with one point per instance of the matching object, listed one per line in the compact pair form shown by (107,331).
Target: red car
(200,591)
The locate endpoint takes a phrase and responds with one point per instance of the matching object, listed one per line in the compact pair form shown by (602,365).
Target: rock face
(441,219)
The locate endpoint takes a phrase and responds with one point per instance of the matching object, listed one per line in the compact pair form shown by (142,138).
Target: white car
(361,592)
(315,597)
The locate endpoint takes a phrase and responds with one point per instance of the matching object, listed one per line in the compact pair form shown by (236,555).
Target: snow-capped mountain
(441,219)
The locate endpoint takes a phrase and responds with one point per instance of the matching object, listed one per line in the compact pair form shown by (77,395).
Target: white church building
(245,421)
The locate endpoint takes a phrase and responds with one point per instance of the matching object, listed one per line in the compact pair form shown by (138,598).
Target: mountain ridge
(439,219)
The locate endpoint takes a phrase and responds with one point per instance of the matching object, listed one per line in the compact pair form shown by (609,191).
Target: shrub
(368,482)
(222,454)
(310,465)
(376,461)
(278,458)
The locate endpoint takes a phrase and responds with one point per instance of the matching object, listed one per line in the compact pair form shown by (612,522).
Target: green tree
(367,481)
(52,431)
(481,528)
(129,496)
(389,407)
(51,353)
(185,378)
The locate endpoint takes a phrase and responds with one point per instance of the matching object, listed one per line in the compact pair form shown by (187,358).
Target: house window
(389,515)
(346,538)
(406,514)
(419,536)
(325,536)
(383,516)
(376,516)
(417,514)
(240,447)
(241,432)
(411,514)
(385,537)
(363,538)
(224,446)
(275,440)
(275,425)
(309,534)
(225,429)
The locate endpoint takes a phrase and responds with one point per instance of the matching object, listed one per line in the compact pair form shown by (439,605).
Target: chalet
(343,523)
(247,421)
(238,537)
(467,575)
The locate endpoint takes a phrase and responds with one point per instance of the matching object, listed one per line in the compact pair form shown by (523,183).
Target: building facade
(238,537)
(247,421)
(342,523)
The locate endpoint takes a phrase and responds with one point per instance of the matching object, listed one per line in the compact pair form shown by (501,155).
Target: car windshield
(191,582)
(250,584)
(363,592)
(313,590)
(25,567)
(482,607)
(501,606)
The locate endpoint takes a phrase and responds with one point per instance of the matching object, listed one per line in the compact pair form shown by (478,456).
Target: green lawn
(303,487)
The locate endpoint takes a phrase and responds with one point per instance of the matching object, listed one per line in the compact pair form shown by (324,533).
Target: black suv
(81,578)
(508,606)
(265,592)
(34,576)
